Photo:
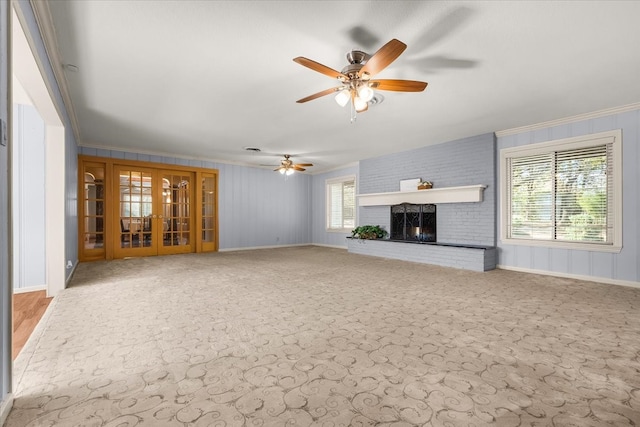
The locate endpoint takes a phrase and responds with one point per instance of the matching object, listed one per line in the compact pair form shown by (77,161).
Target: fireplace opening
(413,223)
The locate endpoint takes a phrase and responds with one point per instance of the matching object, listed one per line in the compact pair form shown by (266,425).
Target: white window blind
(341,198)
(563,195)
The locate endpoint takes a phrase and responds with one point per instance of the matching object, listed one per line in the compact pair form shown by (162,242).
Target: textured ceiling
(205,79)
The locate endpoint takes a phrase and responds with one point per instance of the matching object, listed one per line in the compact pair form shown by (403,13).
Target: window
(564,193)
(341,204)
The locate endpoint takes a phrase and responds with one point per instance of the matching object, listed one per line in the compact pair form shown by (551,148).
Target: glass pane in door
(93,208)
(208,209)
(176,199)
(136,201)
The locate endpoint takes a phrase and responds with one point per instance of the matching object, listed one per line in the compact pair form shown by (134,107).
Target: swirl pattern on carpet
(312,336)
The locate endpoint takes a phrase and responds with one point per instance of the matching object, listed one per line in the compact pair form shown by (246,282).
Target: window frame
(340,180)
(614,138)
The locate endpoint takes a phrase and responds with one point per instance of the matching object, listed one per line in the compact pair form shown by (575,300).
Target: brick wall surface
(467,161)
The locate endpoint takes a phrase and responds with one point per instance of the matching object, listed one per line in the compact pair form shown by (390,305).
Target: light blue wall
(618,266)
(28,198)
(256,207)
(5,285)
(70,245)
(320,235)
(467,161)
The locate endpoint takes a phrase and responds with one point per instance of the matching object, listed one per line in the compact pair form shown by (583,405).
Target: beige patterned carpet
(313,336)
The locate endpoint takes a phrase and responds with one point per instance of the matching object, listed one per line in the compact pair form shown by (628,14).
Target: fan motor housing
(357,59)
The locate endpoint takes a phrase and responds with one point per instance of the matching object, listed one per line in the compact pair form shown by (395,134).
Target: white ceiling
(205,79)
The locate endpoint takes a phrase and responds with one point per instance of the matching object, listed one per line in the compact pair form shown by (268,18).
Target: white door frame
(27,70)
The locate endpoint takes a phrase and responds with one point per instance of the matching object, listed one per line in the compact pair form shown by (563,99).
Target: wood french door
(152,211)
(130,208)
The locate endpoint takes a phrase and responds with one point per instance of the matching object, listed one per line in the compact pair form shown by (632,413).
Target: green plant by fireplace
(369,232)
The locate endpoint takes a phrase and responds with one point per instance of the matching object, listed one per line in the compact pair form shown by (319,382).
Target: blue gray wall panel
(28,210)
(617,266)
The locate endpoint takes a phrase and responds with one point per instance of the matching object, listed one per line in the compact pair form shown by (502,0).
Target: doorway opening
(28,87)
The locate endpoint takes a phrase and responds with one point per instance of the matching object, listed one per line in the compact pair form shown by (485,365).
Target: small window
(341,204)
(564,193)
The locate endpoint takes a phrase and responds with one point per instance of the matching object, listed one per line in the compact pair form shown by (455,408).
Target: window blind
(341,205)
(562,195)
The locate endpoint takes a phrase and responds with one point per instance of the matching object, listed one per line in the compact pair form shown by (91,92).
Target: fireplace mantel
(465,194)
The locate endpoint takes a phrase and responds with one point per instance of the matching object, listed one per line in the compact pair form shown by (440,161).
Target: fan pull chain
(354,113)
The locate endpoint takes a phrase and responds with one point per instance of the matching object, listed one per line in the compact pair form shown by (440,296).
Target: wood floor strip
(28,309)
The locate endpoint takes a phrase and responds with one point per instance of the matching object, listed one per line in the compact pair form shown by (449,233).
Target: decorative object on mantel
(369,232)
(409,184)
(425,185)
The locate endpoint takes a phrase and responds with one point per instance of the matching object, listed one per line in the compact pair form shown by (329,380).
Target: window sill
(590,247)
(339,230)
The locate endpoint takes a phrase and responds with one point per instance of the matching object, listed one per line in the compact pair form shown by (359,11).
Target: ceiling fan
(287,167)
(356,83)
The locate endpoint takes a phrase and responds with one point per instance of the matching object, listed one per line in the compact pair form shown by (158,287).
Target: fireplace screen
(414,223)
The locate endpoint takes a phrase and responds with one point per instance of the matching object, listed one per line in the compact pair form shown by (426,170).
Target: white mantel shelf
(466,194)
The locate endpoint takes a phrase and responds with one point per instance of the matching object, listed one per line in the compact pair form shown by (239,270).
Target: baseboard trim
(606,280)
(253,248)
(73,271)
(29,289)
(330,246)
(5,408)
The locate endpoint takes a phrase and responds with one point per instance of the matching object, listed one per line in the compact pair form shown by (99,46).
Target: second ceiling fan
(287,167)
(356,83)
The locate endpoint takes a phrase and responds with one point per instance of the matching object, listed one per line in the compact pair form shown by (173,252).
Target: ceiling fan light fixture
(356,78)
(290,171)
(343,97)
(365,92)
(359,104)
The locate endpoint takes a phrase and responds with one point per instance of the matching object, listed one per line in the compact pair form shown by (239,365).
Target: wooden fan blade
(316,66)
(277,169)
(383,57)
(319,94)
(296,167)
(398,85)
(304,164)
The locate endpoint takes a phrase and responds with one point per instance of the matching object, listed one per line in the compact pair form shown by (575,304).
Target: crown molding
(569,120)
(166,154)
(202,159)
(47,31)
(337,168)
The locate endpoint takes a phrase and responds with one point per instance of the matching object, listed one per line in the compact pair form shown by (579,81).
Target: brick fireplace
(414,232)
